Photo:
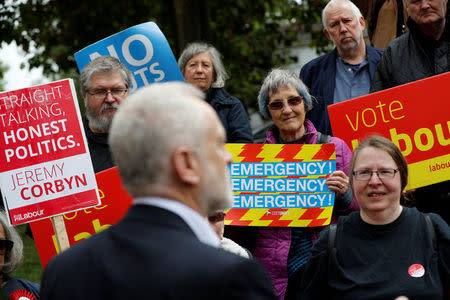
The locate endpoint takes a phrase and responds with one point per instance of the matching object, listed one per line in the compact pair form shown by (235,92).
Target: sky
(17,78)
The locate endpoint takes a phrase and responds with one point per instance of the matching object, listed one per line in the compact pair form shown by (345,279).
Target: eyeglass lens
(113,92)
(275,105)
(382,174)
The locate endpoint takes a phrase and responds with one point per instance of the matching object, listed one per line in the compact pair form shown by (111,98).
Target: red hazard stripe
(288,153)
(281,223)
(325,152)
(318,222)
(236,213)
(250,151)
(311,213)
(240,223)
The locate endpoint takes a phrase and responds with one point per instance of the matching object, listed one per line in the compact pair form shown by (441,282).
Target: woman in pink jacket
(285,100)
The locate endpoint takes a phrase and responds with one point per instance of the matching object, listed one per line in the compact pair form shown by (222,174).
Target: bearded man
(105,82)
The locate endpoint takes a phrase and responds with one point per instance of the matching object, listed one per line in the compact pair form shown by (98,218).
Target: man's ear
(362,23)
(327,34)
(186,165)
(85,99)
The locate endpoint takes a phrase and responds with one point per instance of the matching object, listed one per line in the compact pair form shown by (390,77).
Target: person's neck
(184,195)
(290,136)
(434,30)
(382,217)
(354,56)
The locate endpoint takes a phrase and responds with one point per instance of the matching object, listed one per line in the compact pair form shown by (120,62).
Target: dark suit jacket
(151,254)
(319,76)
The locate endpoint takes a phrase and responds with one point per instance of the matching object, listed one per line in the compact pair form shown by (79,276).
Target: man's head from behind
(104,85)
(167,141)
(343,24)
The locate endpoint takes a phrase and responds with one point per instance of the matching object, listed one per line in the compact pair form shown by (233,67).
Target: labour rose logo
(416,270)
(22,295)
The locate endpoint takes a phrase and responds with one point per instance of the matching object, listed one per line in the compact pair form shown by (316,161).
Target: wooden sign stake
(60,232)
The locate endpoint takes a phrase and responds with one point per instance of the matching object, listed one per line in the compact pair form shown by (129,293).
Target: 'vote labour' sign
(143,49)
(45,168)
(82,224)
(414,116)
(281,185)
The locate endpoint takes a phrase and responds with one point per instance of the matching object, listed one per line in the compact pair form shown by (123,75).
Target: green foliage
(3,70)
(312,12)
(253,36)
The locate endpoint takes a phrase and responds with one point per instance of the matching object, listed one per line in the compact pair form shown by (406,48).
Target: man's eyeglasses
(278,104)
(365,175)
(217,217)
(101,94)
(5,246)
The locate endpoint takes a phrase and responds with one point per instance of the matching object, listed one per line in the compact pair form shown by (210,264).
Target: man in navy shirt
(345,72)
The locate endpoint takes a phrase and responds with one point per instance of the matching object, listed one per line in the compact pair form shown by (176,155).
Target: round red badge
(21,295)
(416,270)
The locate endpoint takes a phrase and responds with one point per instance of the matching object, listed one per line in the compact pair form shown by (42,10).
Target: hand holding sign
(338,182)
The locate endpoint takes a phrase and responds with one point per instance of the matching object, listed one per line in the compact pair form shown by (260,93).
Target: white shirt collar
(197,223)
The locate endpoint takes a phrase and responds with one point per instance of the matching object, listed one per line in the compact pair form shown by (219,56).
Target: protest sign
(281,185)
(414,116)
(84,223)
(143,49)
(45,167)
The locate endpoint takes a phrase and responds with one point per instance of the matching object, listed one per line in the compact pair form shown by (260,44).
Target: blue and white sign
(143,49)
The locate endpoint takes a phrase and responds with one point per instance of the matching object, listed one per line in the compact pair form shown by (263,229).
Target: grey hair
(274,80)
(192,49)
(103,64)
(13,258)
(353,7)
(150,125)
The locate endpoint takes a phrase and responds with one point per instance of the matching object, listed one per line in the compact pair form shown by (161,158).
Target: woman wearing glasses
(11,257)
(284,99)
(386,250)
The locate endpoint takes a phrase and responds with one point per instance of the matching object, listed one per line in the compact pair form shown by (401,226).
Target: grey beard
(96,120)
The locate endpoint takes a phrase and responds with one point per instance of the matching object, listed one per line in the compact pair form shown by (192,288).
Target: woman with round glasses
(11,256)
(385,250)
(284,99)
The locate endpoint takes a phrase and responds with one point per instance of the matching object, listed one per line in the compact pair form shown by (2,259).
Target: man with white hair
(345,72)
(168,144)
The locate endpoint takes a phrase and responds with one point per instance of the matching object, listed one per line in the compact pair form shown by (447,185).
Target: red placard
(84,223)
(39,124)
(414,116)
(45,168)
